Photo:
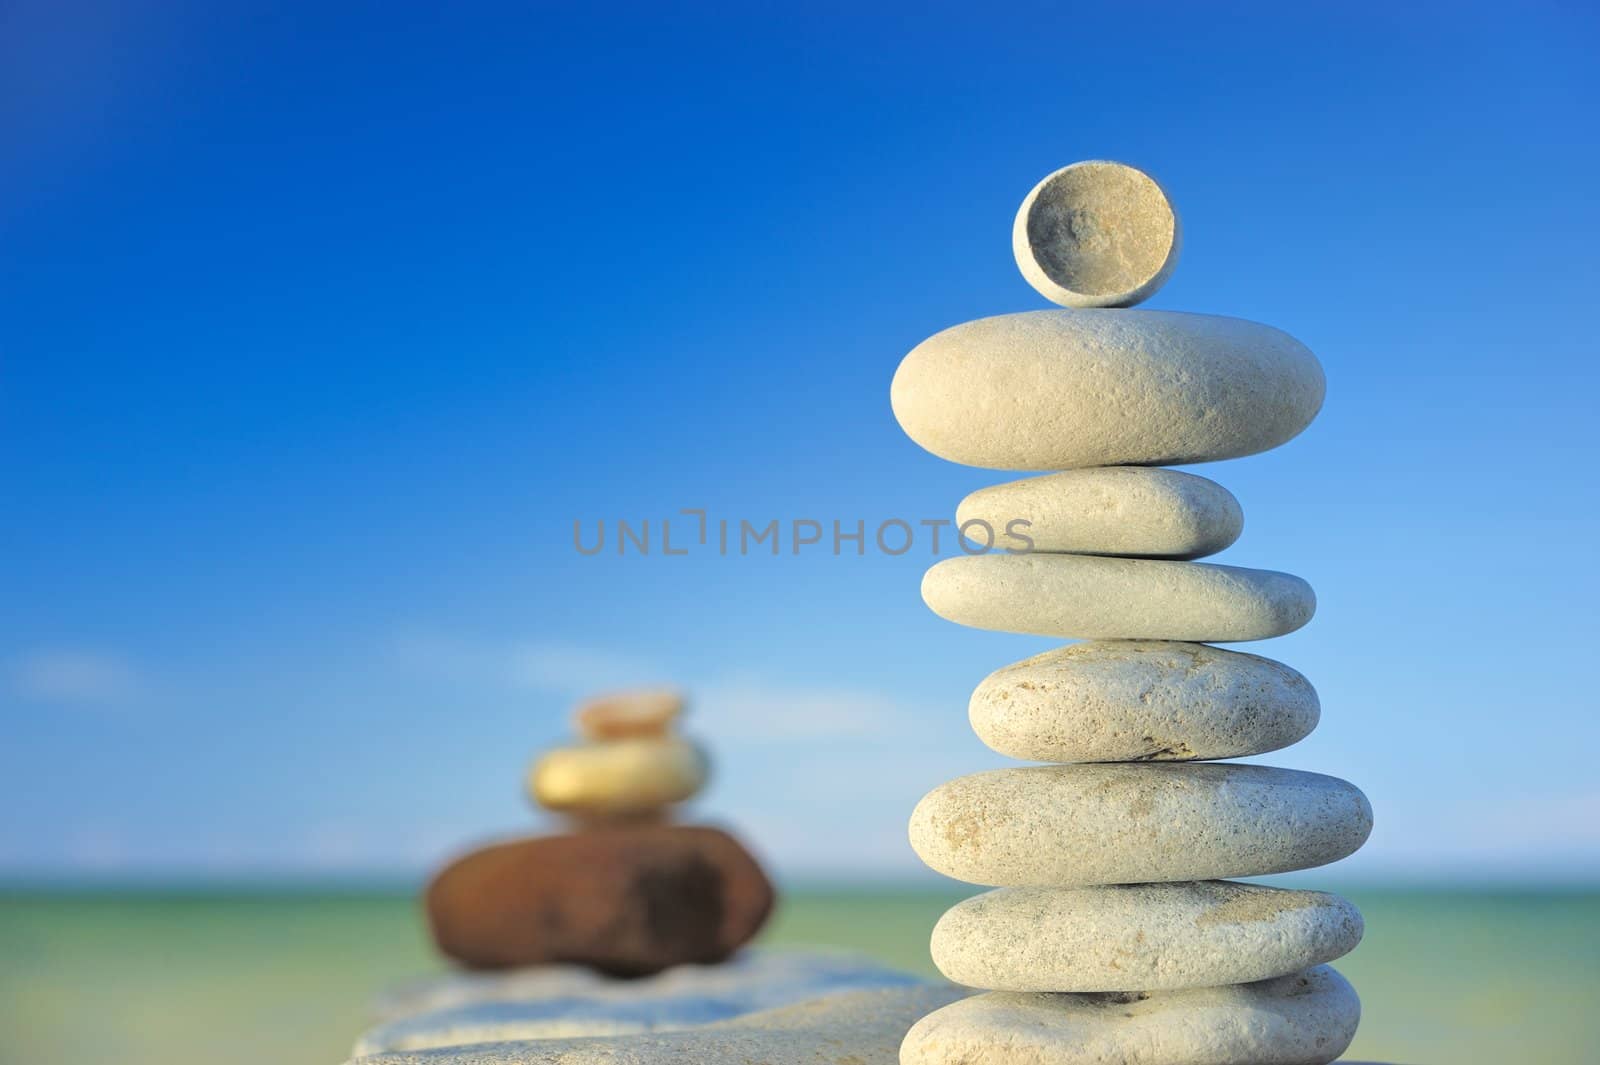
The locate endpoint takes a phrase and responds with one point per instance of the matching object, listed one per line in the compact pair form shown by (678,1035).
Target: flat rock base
(848,1028)
(845,1003)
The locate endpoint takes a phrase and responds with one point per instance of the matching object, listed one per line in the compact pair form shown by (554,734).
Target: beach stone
(1113,510)
(848,1028)
(623,900)
(648,712)
(1088,597)
(1096,234)
(1305,1019)
(1055,390)
(1142,700)
(1140,937)
(1147,822)
(565,1001)
(618,777)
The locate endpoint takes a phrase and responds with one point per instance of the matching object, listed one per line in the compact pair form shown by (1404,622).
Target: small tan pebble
(1140,937)
(619,715)
(1138,823)
(1093,597)
(1097,234)
(1138,701)
(1135,511)
(1308,1018)
(619,777)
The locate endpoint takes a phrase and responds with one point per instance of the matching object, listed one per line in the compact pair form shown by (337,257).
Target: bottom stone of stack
(1308,1018)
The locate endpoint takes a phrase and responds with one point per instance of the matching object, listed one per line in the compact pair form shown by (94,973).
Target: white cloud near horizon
(740,707)
(570,670)
(74,676)
(751,709)
(575,671)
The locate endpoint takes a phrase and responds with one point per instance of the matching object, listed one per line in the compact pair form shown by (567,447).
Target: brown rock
(627,901)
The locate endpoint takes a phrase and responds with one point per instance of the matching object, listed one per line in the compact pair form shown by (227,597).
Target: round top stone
(1096,234)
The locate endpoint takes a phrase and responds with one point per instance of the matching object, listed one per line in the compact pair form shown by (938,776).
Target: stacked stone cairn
(625,892)
(1113,935)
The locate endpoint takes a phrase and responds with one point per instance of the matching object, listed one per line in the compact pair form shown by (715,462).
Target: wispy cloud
(1486,836)
(74,676)
(522,665)
(740,707)
(573,670)
(752,709)
(1538,822)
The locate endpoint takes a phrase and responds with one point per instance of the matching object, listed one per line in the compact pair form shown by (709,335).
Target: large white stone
(1053,390)
(1076,825)
(1305,1019)
(1140,937)
(1085,597)
(1137,511)
(1135,701)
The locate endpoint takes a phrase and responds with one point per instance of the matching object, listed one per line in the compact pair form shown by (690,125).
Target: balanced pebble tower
(626,890)
(1113,935)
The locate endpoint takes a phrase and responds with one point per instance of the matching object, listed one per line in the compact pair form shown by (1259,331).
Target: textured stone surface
(1071,825)
(850,1028)
(1096,234)
(629,714)
(1140,937)
(565,1001)
(628,901)
(1056,390)
(1115,510)
(1081,596)
(1134,701)
(1305,1019)
(618,778)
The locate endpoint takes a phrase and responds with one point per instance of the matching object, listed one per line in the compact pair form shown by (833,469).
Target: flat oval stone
(1140,937)
(1138,700)
(1114,510)
(618,778)
(1086,597)
(1077,825)
(1054,390)
(1096,234)
(1305,1019)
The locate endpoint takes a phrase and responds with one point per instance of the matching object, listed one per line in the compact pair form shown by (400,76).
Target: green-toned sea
(283,978)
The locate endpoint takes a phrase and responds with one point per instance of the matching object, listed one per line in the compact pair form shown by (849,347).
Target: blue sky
(319,329)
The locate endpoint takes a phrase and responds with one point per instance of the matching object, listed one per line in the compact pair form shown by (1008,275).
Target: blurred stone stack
(626,892)
(1112,936)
